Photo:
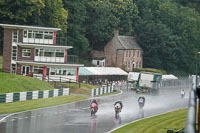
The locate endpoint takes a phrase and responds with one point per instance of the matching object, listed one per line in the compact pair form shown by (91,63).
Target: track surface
(75,117)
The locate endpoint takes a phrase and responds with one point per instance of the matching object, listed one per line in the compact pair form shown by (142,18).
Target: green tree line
(167,30)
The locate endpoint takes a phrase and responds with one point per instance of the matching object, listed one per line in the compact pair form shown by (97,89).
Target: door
(25,70)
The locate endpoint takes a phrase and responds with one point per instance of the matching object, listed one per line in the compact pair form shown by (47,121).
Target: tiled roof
(129,42)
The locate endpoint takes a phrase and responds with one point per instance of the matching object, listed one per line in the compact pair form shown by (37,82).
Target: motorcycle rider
(182,94)
(141,100)
(94,101)
(117,103)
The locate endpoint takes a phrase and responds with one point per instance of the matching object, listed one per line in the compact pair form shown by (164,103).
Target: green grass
(74,88)
(39,103)
(1,61)
(158,124)
(107,94)
(19,83)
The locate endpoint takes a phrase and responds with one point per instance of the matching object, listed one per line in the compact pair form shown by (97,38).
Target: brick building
(123,52)
(37,51)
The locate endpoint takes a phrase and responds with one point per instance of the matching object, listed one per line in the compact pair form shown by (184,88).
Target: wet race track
(75,117)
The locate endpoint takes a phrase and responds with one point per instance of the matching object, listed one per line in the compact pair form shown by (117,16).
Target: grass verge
(1,60)
(158,124)
(39,103)
(74,88)
(19,83)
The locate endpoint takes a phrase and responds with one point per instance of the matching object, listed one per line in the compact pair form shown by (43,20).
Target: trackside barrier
(23,96)
(190,126)
(102,90)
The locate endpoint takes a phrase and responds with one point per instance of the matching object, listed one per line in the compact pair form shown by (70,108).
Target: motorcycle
(141,103)
(117,109)
(93,108)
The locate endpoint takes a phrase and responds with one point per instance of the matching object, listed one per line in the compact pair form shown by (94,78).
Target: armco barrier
(104,89)
(23,96)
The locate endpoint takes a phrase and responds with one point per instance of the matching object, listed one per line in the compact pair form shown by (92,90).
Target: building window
(15,36)
(59,54)
(97,62)
(25,34)
(48,35)
(36,52)
(133,53)
(127,53)
(14,52)
(13,69)
(128,64)
(138,53)
(48,54)
(38,70)
(26,53)
(38,35)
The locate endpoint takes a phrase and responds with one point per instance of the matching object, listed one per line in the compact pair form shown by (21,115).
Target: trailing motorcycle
(93,108)
(141,102)
(117,109)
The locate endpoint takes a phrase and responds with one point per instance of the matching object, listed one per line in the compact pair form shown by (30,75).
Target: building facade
(123,52)
(31,50)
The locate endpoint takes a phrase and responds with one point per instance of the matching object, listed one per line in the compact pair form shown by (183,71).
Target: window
(25,34)
(130,53)
(46,36)
(127,53)
(36,52)
(15,36)
(97,62)
(138,52)
(30,34)
(26,53)
(13,68)
(133,53)
(41,52)
(49,54)
(14,52)
(59,54)
(38,70)
(38,36)
(128,64)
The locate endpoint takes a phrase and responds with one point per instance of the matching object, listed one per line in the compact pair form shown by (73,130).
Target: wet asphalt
(75,117)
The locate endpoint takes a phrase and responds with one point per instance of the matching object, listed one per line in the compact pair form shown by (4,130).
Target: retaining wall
(102,90)
(23,96)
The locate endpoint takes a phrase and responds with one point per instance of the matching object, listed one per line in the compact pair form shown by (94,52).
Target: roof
(101,71)
(43,46)
(56,64)
(170,76)
(27,27)
(129,42)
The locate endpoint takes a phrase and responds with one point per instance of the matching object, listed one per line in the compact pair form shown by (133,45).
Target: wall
(23,96)
(7,47)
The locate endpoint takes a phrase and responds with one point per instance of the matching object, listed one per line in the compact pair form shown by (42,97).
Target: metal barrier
(191,117)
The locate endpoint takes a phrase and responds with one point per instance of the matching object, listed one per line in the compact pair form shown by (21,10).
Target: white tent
(170,76)
(133,76)
(102,71)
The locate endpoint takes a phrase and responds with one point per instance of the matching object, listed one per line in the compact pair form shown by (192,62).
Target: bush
(150,70)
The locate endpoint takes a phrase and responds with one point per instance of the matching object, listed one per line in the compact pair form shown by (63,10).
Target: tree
(100,24)
(76,26)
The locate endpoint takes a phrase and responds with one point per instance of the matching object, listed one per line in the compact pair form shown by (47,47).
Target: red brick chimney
(116,33)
